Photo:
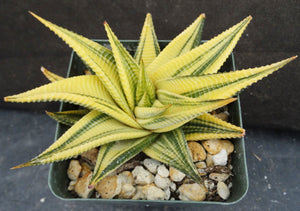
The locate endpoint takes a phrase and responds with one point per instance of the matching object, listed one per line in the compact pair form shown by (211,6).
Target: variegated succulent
(153,102)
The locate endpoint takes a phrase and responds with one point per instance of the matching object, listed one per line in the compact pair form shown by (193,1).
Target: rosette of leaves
(153,102)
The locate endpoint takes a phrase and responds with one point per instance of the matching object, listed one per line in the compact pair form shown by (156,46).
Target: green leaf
(86,91)
(217,86)
(171,148)
(148,112)
(97,57)
(207,58)
(148,47)
(68,117)
(93,130)
(128,69)
(51,76)
(181,44)
(208,126)
(113,155)
(176,115)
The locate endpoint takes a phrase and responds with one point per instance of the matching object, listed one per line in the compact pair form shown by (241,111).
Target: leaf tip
(21,165)
(105,23)
(202,15)
(43,69)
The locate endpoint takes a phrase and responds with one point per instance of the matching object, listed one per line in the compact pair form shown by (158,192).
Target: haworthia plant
(153,102)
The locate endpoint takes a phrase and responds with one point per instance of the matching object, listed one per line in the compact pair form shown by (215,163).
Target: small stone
(162,182)
(172,186)
(192,192)
(142,176)
(139,195)
(109,187)
(127,191)
(223,116)
(72,185)
(220,158)
(201,168)
(151,165)
(167,193)
(209,184)
(197,151)
(152,192)
(162,171)
(82,186)
(74,170)
(90,156)
(209,161)
(214,146)
(126,177)
(223,190)
(176,175)
(172,199)
(230,185)
(218,177)
(86,168)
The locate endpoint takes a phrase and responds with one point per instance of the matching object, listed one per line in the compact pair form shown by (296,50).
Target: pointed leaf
(207,58)
(148,112)
(148,47)
(113,155)
(171,148)
(218,86)
(127,67)
(67,117)
(51,76)
(86,91)
(184,42)
(93,130)
(176,116)
(97,57)
(208,126)
(145,101)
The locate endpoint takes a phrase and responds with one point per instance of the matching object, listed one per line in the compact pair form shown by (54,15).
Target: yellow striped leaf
(171,148)
(51,76)
(184,42)
(208,126)
(128,69)
(144,85)
(148,47)
(207,58)
(86,91)
(145,101)
(97,57)
(218,86)
(113,155)
(148,112)
(68,117)
(91,131)
(176,115)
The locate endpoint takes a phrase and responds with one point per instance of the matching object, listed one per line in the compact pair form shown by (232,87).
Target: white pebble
(223,190)
(220,158)
(173,186)
(162,182)
(151,165)
(162,171)
(142,176)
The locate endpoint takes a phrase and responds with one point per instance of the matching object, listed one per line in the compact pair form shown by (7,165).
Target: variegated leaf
(208,126)
(68,117)
(184,42)
(148,47)
(144,85)
(145,101)
(91,131)
(207,58)
(97,57)
(113,155)
(86,91)
(51,76)
(148,112)
(218,86)
(128,69)
(171,148)
(176,115)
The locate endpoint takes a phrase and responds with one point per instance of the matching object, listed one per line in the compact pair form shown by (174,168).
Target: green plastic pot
(58,179)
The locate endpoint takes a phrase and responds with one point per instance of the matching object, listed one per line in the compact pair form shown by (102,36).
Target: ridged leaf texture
(153,102)
(171,148)
(208,126)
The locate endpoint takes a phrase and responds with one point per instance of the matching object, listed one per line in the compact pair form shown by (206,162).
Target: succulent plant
(153,102)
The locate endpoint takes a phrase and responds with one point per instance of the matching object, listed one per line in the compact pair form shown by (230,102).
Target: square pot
(58,180)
